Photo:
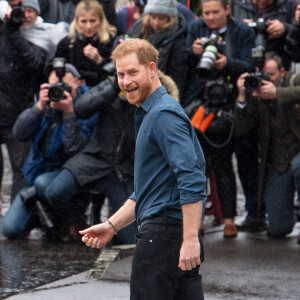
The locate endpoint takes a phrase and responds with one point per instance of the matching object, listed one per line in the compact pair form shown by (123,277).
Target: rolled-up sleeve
(181,149)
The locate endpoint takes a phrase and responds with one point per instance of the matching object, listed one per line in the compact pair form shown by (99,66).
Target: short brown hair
(145,51)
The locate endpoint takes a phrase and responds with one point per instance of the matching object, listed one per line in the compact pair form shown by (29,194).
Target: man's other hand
(189,255)
(267,91)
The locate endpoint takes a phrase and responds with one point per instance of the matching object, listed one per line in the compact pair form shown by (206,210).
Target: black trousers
(155,274)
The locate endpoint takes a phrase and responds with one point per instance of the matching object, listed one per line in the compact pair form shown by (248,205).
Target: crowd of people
(70,131)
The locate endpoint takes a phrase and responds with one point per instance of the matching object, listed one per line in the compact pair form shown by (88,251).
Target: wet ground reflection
(26,264)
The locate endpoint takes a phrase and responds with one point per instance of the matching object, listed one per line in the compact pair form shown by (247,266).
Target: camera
(253,80)
(212,46)
(56,91)
(260,27)
(17,14)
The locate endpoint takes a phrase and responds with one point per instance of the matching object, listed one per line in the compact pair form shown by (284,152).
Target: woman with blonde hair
(89,43)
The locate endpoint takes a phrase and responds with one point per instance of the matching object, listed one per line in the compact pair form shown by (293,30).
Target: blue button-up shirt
(169,166)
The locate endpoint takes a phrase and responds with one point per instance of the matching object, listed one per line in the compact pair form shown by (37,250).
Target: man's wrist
(112,226)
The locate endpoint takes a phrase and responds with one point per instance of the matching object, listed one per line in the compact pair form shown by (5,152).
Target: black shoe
(252,225)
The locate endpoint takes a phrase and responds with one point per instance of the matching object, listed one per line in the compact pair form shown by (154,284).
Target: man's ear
(152,68)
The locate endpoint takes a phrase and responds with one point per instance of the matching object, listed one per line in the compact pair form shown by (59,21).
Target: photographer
(215,90)
(20,64)
(273,110)
(278,15)
(293,38)
(56,135)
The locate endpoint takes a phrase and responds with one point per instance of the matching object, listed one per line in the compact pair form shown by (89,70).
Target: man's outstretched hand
(98,235)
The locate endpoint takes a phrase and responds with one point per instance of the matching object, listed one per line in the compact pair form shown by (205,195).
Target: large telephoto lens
(207,60)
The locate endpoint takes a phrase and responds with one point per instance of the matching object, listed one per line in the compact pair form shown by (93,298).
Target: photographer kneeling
(274,110)
(56,134)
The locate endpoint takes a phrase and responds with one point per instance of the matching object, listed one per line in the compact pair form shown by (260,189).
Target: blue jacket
(63,135)
(242,41)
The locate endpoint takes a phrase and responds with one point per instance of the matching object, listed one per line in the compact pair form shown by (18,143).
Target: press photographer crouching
(220,52)
(56,134)
(274,111)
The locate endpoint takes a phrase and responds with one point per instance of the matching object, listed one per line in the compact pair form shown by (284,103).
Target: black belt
(161,220)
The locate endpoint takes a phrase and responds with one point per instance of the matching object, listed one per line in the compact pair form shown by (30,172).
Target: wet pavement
(26,264)
(249,267)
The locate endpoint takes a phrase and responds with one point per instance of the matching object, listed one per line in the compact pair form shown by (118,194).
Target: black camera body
(212,46)
(17,14)
(253,80)
(56,91)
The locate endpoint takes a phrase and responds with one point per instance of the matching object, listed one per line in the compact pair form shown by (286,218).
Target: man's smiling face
(135,79)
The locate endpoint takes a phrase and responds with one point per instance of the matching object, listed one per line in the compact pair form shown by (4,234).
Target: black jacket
(112,143)
(21,63)
(73,53)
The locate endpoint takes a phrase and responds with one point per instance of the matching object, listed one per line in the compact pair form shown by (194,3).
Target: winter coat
(277,124)
(173,53)
(239,62)
(73,53)
(55,137)
(111,146)
(54,11)
(21,63)
(282,10)
(293,43)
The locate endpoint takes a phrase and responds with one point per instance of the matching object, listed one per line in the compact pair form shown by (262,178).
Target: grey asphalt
(251,266)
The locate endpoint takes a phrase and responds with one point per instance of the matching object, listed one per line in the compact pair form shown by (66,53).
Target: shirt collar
(222,30)
(153,98)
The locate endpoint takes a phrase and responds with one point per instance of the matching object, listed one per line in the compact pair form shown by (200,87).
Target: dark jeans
(17,152)
(64,187)
(155,274)
(279,198)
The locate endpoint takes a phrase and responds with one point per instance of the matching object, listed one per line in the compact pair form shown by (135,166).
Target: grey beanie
(162,7)
(71,69)
(32,3)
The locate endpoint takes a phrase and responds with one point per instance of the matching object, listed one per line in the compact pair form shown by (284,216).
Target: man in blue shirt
(169,188)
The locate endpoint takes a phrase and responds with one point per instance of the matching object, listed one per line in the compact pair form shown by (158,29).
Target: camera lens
(208,59)
(55,93)
(252,83)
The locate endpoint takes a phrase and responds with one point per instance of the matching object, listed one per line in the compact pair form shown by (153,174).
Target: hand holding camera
(197,47)
(267,91)
(275,29)
(65,104)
